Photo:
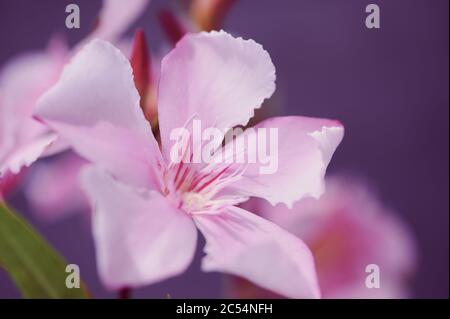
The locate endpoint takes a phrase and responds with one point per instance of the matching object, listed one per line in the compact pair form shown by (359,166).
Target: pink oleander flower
(22,81)
(52,187)
(23,139)
(347,229)
(147,207)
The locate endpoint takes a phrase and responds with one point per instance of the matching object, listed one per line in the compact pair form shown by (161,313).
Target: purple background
(389,87)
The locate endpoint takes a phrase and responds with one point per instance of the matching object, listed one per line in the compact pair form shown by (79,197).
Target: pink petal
(140,238)
(116,16)
(22,81)
(24,155)
(125,155)
(58,146)
(95,108)
(219,78)
(305,147)
(243,244)
(97,85)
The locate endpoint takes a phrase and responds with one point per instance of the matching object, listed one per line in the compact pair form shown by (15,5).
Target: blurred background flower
(24,78)
(52,188)
(347,229)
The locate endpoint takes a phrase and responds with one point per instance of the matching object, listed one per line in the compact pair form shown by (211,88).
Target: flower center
(193,201)
(195,188)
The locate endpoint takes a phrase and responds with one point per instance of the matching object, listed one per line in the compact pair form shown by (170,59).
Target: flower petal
(97,85)
(26,154)
(22,81)
(219,78)
(95,108)
(305,147)
(243,244)
(116,16)
(140,238)
(126,156)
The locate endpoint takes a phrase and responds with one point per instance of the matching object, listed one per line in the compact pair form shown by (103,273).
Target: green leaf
(36,268)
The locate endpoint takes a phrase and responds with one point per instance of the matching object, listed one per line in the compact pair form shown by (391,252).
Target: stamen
(183,178)
(193,186)
(213,179)
(180,165)
(197,179)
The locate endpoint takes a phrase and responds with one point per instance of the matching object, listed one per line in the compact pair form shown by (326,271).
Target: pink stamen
(213,179)
(182,179)
(180,165)
(195,181)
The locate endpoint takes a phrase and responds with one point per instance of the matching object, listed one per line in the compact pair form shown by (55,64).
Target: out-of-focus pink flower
(23,139)
(146,206)
(22,81)
(115,17)
(53,189)
(346,229)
